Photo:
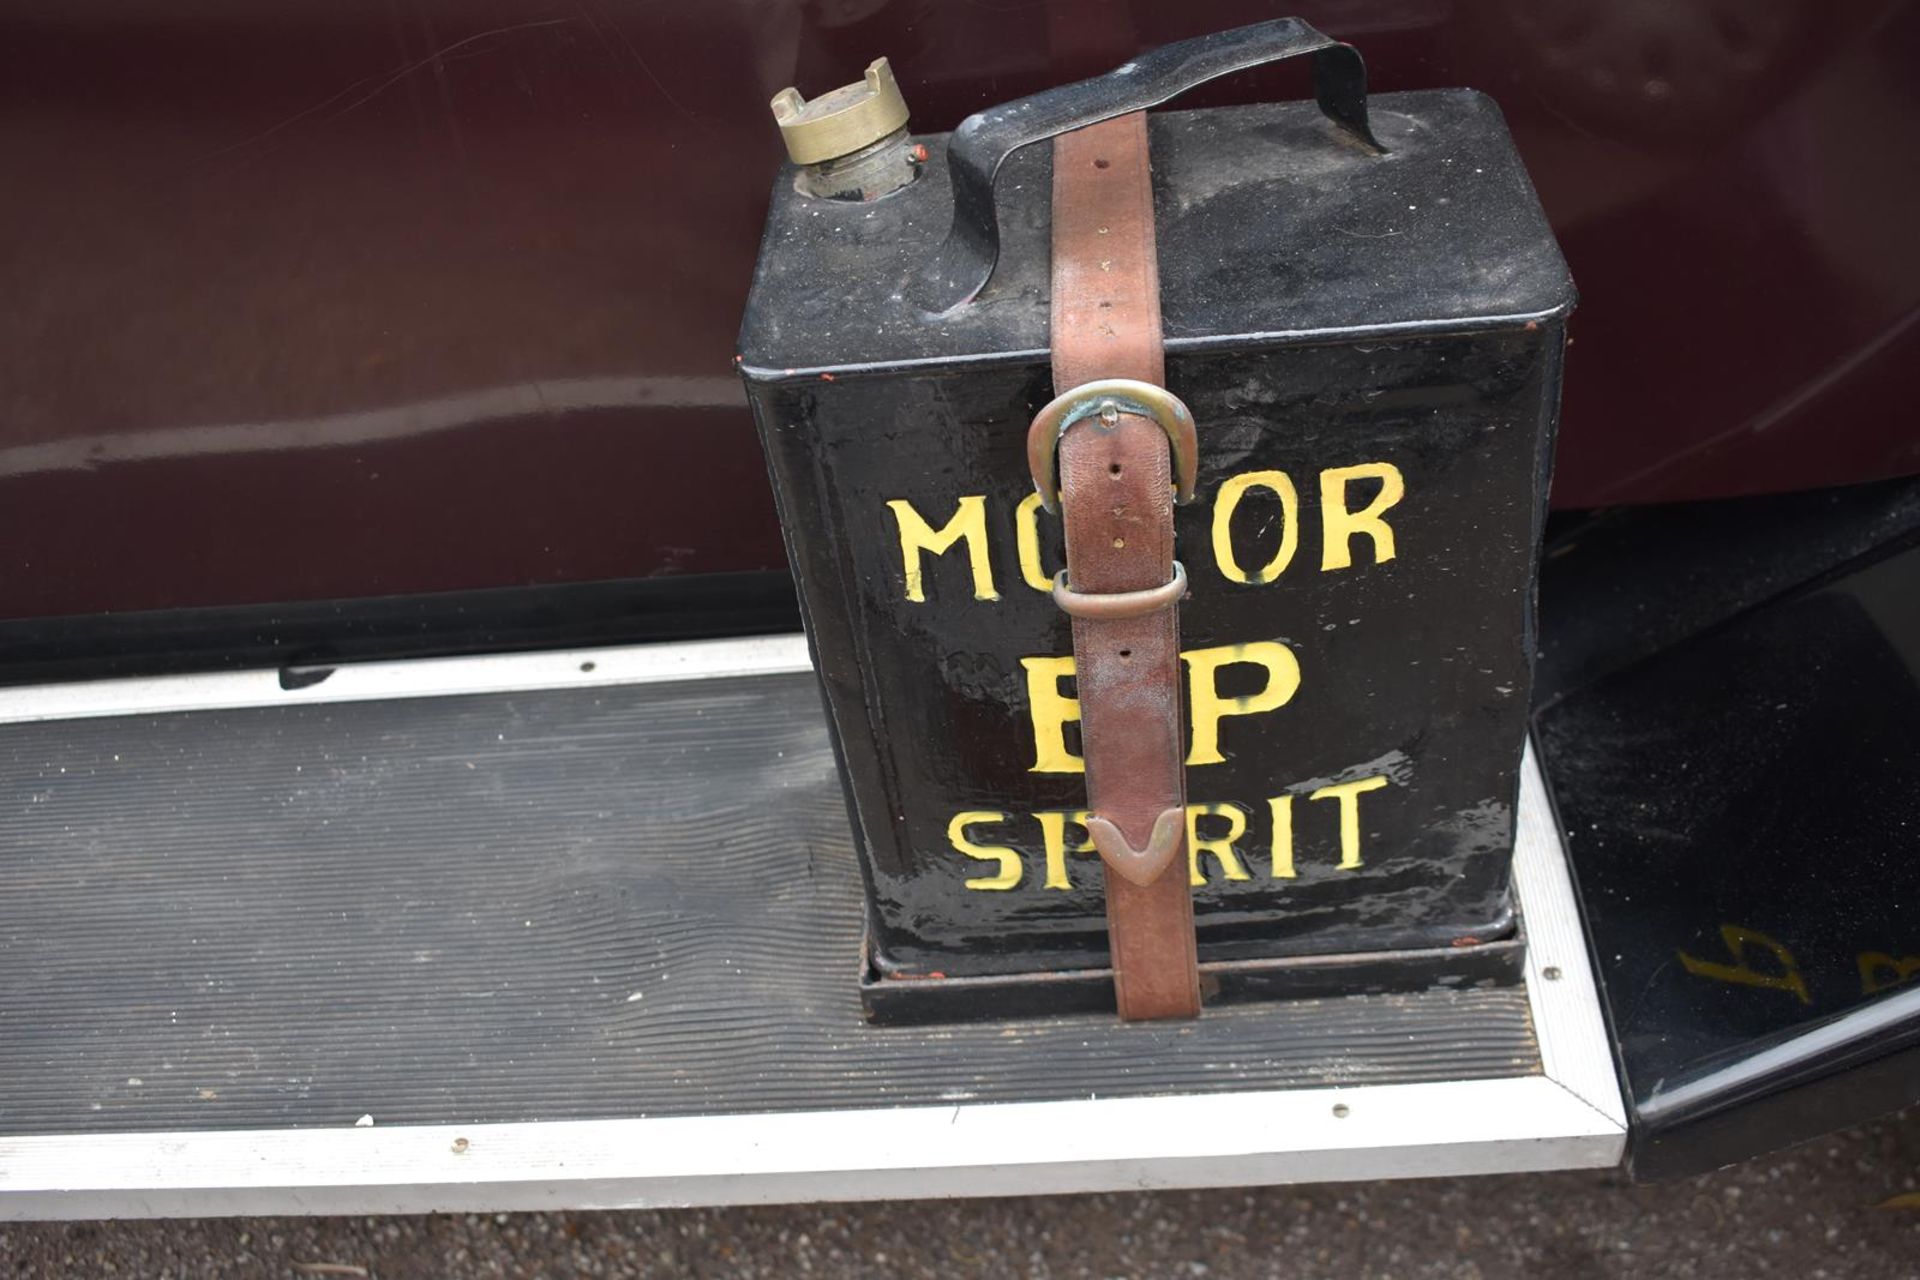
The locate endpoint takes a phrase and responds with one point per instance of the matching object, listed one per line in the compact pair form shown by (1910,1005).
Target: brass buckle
(1107,399)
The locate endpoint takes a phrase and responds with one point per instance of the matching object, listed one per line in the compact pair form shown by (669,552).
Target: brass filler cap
(843,121)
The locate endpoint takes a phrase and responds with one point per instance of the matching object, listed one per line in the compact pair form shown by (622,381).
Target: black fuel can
(1370,340)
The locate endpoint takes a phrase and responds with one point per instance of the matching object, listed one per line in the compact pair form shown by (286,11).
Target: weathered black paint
(906,1000)
(1324,306)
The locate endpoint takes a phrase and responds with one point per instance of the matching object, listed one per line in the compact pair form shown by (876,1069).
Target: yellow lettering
(1737,941)
(1009,874)
(1348,794)
(1049,710)
(1220,847)
(1282,810)
(1878,970)
(1228,499)
(969,522)
(1053,835)
(1209,707)
(1026,536)
(1338,525)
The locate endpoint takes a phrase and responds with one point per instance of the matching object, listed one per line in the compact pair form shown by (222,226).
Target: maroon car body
(328,301)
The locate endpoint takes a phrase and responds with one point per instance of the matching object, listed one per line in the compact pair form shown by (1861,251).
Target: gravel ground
(1823,1211)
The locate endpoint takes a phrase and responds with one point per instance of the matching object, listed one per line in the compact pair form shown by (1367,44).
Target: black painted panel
(1326,309)
(1740,807)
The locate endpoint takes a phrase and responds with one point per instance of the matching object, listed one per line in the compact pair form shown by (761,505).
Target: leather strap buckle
(1101,453)
(1107,399)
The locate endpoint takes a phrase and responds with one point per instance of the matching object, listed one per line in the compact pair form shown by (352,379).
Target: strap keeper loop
(1108,606)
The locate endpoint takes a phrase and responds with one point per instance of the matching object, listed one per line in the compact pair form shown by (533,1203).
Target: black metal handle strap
(982,143)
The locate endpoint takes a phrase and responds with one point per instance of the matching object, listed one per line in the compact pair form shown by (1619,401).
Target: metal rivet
(1341,1111)
(1551,973)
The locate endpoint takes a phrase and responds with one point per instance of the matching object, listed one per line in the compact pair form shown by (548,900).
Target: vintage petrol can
(1365,311)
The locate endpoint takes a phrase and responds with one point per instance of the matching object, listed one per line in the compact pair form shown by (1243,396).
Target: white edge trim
(1578,1054)
(413,678)
(1569,1117)
(1420,1130)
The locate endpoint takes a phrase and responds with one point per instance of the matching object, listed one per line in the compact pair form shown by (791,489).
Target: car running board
(582,929)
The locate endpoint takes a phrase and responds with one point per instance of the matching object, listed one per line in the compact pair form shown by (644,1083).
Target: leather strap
(1117,510)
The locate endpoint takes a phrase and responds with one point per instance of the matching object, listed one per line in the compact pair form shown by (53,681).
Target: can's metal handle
(982,143)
